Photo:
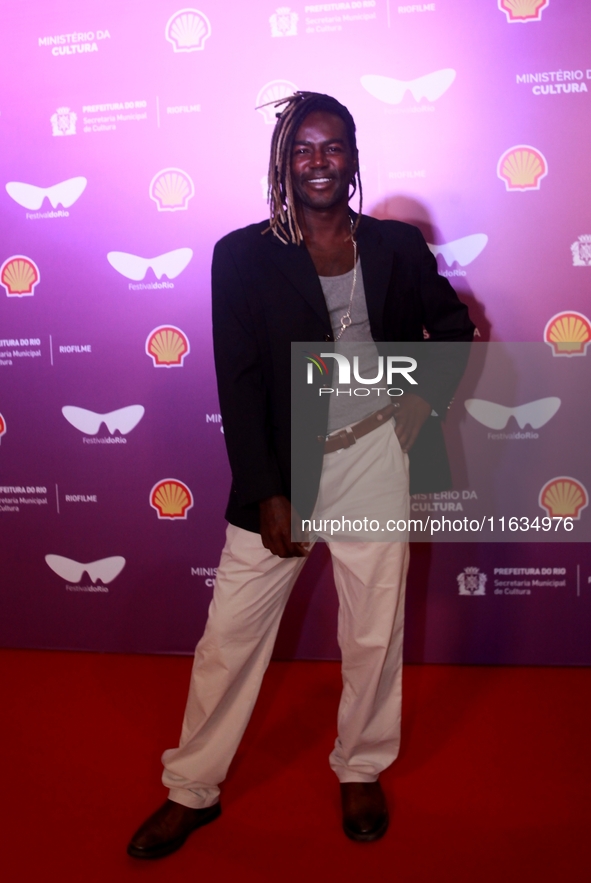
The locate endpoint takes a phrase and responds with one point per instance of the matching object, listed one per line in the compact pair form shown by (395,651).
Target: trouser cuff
(350,776)
(191,800)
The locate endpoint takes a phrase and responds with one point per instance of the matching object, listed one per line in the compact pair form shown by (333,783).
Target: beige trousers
(251,590)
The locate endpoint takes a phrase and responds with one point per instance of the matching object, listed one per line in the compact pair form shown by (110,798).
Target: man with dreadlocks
(316,272)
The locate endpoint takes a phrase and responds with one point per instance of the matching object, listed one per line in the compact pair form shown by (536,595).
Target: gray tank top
(345,409)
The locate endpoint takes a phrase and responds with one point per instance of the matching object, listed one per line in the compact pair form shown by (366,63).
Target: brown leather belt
(344,438)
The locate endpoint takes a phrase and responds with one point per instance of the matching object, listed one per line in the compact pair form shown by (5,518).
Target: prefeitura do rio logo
(471,582)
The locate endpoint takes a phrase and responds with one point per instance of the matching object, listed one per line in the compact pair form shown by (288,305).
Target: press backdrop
(129,144)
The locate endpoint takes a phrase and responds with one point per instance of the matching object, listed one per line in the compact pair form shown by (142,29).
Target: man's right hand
(276,514)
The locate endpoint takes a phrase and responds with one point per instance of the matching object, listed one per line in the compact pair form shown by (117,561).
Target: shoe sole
(172,845)
(371,836)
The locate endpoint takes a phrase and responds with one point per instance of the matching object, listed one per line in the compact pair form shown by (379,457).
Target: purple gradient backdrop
(436,168)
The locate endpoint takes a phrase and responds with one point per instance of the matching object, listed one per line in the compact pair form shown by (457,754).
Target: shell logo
(167,346)
(2,426)
(564,496)
(187,30)
(272,93)
(171,190)
(569,334)
(171,498)
(523,10)
(19,276)
(522,168)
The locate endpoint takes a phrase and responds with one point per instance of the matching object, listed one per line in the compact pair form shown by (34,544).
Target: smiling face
(322,162)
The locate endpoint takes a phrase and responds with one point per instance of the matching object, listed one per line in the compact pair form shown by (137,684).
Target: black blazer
(266,295)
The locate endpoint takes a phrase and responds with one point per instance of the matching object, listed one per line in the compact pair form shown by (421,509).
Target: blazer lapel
(376,265)
(376,258)
(296,265)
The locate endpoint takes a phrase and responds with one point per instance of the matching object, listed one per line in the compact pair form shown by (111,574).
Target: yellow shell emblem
(271,93)
(568,333)
(2,425)
(523,10)
(19,275)
(171,190)
(167,346)
(171,498)
(564,496)
(522,168)
(187,30)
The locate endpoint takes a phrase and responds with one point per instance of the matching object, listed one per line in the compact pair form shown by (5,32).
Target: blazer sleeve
(241,386)
(443,357)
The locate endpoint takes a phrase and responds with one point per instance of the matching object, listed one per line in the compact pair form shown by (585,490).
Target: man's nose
(319,158)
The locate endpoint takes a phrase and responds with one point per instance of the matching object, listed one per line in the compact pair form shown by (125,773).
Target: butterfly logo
(133,267)
(391,91)
(496,416)
(461,251)
(107,569)
(124,419)
(31,197)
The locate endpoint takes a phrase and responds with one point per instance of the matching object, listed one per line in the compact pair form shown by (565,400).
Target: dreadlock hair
(283,222)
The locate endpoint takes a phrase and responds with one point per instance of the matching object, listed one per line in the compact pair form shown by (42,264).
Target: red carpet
(493,782)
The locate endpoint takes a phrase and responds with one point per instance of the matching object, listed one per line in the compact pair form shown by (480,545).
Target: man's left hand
(410,414)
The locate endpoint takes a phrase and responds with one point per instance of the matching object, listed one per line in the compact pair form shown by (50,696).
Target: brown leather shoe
(166,830)
(365,814)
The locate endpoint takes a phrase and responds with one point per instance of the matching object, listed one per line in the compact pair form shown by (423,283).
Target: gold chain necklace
(346,317)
